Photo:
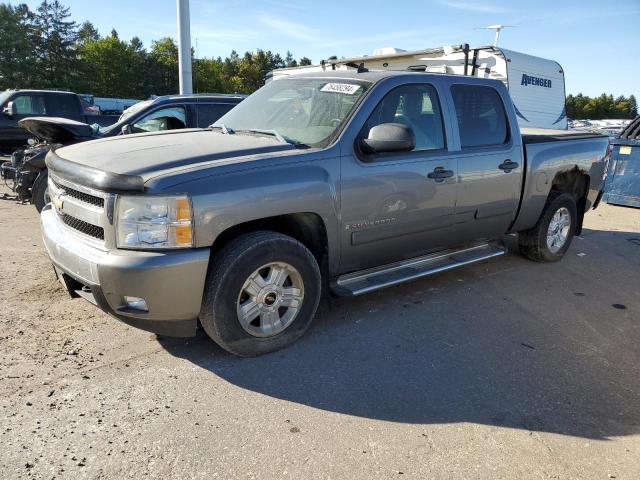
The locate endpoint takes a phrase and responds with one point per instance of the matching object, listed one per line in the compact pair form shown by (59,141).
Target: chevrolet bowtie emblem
(57,202)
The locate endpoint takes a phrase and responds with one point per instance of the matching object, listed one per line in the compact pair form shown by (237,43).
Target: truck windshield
(305,112)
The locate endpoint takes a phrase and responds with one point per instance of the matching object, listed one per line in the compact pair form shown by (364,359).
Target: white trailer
(536,84)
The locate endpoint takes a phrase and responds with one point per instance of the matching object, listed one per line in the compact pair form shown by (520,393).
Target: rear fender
(557,165)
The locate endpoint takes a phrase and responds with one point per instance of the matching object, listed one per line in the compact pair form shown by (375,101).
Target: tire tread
(532,242)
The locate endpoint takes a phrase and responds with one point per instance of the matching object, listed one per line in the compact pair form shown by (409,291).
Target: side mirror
(389,137)
(126,129)
(10,110)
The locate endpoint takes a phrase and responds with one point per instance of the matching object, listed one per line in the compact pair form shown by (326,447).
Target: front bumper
(171,282)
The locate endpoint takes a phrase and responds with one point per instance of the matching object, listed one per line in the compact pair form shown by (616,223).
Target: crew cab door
(490,163)
(398,205)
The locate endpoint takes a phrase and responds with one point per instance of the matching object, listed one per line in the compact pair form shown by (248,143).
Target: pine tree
(289,60)
(633,107)
(87,32)
(16,62)
(54,41)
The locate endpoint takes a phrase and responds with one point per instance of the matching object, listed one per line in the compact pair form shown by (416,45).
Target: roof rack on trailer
(357,62)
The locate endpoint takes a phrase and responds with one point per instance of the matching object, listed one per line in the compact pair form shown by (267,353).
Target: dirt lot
(506,369)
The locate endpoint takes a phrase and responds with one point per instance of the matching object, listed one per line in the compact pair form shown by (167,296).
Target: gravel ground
(506,369)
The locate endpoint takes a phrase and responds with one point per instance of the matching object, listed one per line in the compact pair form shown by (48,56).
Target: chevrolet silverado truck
(345,181)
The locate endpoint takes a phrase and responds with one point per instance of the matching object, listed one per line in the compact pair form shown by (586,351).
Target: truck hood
(126,162)
(56,129)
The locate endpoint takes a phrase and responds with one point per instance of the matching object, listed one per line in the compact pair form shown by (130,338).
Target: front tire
(261,294)
(551,237)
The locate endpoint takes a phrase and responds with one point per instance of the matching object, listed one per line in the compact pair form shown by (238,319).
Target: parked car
(28,170)
(109,106)
(17,105)
(351,180)
(89,108)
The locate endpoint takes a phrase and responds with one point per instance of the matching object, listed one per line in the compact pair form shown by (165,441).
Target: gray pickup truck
(343,181)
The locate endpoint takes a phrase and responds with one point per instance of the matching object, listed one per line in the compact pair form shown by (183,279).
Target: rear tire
(261,294)
(39,190)
(551,237)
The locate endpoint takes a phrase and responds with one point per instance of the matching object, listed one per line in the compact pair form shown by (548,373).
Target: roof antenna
(497,28)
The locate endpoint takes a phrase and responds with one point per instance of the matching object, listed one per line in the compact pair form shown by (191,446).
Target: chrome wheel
(558,230)
(270,299)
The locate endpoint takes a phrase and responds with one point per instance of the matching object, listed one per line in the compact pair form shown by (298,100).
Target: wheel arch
(576,183)
(541,186)
(307,227)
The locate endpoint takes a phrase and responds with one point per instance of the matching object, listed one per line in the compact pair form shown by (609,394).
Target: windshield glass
(302,111)
(127,114)
(4,96)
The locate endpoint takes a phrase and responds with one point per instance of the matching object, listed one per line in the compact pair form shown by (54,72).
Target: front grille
(83,197)
(82,226)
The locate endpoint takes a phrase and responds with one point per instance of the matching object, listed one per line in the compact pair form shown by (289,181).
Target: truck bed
(542,135)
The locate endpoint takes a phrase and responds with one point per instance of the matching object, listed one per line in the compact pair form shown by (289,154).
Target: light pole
(184,47)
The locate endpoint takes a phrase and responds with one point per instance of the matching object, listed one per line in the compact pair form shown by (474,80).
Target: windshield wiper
(223,128)
(273,133)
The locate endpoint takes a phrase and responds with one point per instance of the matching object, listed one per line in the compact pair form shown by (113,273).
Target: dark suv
(16,105)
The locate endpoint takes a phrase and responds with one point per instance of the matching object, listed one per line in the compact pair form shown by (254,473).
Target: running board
(366,281)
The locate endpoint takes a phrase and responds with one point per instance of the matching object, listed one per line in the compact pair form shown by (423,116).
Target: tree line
(581,107)
(45,49)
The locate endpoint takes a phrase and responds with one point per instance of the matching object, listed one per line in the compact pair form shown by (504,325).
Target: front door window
(30,105)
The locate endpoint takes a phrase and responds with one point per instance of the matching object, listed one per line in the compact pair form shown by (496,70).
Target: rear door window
(482,120)
(209,113)
(30,104)
(62,105)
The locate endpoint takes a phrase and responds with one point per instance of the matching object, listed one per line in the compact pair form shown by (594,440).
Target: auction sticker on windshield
(347,88)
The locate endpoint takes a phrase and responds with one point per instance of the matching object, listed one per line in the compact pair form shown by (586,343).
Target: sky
(596,42)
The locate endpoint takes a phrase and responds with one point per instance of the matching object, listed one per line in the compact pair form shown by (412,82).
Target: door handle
(508,165)
(439,174)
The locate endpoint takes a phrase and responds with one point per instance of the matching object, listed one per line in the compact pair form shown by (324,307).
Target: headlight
(147,222)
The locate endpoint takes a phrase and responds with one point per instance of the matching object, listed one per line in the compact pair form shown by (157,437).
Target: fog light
(136,303)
